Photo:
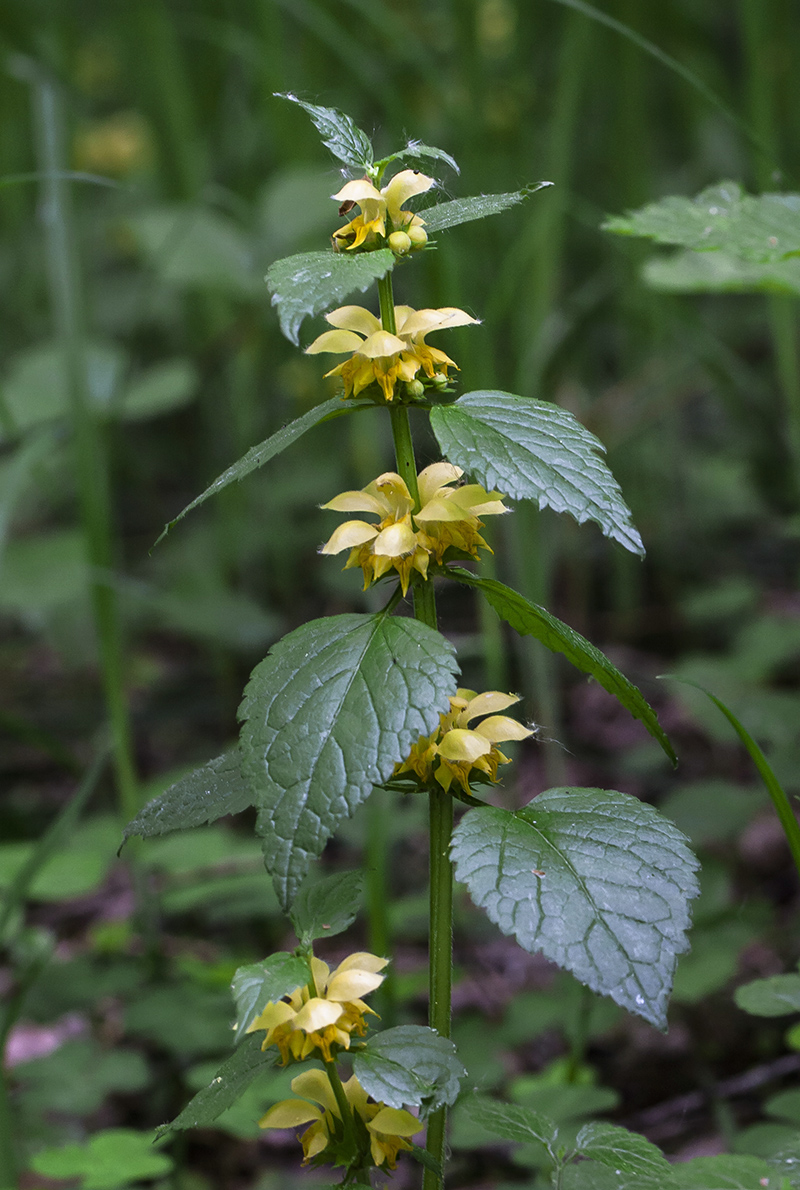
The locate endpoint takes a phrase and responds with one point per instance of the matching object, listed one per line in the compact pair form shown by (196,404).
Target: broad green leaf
(762,229)
(215,789)
(311,282)
(596,880)
(531,620)
(245,1064)
(779,995)
(328,714)
(113,1158)
(326,907)
(36,390)
(410,1065)
(160,390)
(43,571)
(257,456)
(259,984)
(718,272)
(622,1150)
(416,149)
(532,450)
(465,210)
(77,1077)
(511,1121)
(69,871)
(197,248)
(726,1172)
(339,133)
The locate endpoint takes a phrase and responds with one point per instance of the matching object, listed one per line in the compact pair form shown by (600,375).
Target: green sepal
(311,282)
(596,880)
(528,619)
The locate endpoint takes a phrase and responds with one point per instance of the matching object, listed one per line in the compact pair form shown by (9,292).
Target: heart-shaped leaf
(410,1065)
(596,880)
(259,984)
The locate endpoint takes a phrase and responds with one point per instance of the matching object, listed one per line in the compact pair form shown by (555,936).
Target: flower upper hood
(379,207)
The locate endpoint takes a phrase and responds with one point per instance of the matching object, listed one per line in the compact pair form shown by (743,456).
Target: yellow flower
(384,358)
(403,541)
(455,749)
(323,1013)
(381,210)
(385,1128)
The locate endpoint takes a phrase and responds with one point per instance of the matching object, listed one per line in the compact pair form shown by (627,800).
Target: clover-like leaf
(511,1121)
(624,1151)
(257,456)
(410,1065)
(311,282)
(211,791)
(532,450)
(232,1078)
(596,880)
(778,995)
(478,206)
(327,715)
(326,907)
(761,229)
(339,133)
(531,620)
(259,984)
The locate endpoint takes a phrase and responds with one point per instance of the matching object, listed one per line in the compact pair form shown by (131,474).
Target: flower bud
(418,236)
(415,388)
(439,379)
(400,243)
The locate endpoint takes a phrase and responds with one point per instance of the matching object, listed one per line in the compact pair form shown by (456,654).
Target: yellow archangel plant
(407,541)
(317,1020)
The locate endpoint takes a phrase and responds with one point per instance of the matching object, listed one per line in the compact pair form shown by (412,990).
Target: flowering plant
(594,879)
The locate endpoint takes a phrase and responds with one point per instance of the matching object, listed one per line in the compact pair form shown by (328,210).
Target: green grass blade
(780,800)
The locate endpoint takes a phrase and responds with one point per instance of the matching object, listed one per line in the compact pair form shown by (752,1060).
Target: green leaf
(415,149)
(511,1121)
(465,210)
(215,789)
(259,984)
(112,1158)
(197,248)
(532,450)
(160,390)
(761,229)
(410,1065)
(622,1150)
(244,1065)
(326,907)
(257,456)
(726,1172)
(531,620)
(315,281)
(595,879)
(779,995)
(78,1077)
(718,272)
(339,133)
(327,715)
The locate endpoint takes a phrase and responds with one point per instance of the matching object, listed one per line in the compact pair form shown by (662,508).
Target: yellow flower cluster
(455,748)
(381,217)
(324,1013)
(385,1128)
(384,358)
(405,541)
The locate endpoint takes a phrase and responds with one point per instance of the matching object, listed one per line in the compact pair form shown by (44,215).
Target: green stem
(440,804)
(345,1111)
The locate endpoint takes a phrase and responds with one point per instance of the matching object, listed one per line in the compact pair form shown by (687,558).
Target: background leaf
(327,715)
(478,206)
(532,450)
(215,789)
(779,995)
(326,907)
(718,272)
(315,281)
(531,620)
(410,1065)
(245,1064)
(612,905)
(339,133)
(112,1158)
(259,984)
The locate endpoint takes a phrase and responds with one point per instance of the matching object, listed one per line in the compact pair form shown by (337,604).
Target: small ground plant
(597,881)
